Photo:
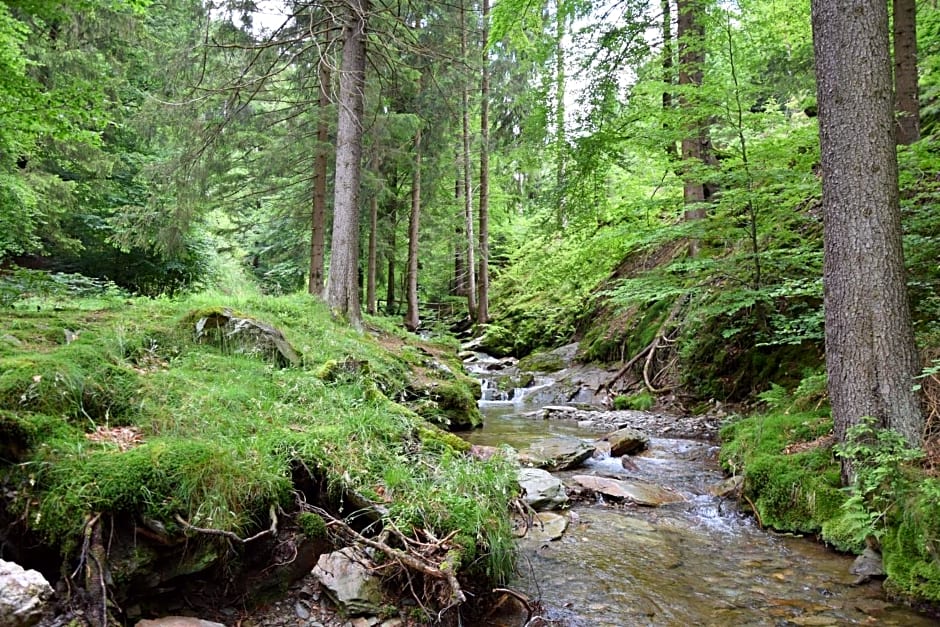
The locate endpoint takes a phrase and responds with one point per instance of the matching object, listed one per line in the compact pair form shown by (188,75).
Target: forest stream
(697,562)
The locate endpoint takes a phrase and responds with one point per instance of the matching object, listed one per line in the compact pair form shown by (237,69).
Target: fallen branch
(623,370)
(446,570)
(272,530)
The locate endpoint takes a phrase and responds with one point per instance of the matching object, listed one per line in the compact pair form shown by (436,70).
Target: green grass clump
(641,402)
(218,437)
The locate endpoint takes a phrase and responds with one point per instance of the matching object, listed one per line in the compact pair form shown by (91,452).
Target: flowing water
(700,562)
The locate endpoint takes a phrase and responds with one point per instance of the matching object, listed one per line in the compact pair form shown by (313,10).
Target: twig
(272,530)
(526,602)
(445,570)
(760,524)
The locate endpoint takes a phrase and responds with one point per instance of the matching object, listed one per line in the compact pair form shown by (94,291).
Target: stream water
(699,562)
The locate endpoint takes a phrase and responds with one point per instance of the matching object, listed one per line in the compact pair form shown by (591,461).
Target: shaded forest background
(174,145)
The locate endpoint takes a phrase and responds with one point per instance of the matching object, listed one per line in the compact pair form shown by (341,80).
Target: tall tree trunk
(905,71)
(371,305)
(483,304)
(691,35)
(467,181)
(561,142)
(671,149)
(343,284)
(391,246)
(412,319)
(871,359)
(460,246)
(318,213)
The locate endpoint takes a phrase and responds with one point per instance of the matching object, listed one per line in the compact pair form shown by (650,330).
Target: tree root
(272,530)
(649,351)
(415,556)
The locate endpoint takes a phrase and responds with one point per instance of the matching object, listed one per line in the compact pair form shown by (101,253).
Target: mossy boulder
(239,333)
(452,404)
(542,362)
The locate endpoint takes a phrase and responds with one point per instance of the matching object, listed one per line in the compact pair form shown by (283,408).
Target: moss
(911,548)
(312,526)
(435,437)
(542,362)
(642,401)
(453,404)
(796,492)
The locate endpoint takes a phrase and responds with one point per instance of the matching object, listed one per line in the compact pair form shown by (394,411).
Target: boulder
(640,493)
(867,566)
(178,621)
(729,487)
(349,583)
(245,335)
(627,441)
(559,453)
(23,595)
(547,527)
(541,490)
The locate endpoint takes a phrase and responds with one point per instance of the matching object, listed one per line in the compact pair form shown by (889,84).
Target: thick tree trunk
(318,213)
(372,268)
(412,319)
(483,304)
(343,285)
(871,359)
(691,36)
(467,181)
(905,71)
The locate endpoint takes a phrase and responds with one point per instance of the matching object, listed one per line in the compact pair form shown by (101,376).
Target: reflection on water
(694,563)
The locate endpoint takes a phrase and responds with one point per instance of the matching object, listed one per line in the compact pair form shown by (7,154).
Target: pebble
(301,610)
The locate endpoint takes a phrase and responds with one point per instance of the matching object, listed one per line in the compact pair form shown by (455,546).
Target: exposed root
(417,555)
(272,530)
(649,352)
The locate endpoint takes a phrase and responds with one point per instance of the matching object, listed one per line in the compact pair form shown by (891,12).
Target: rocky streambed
(656,537)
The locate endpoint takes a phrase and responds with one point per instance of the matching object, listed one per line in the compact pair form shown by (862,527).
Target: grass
(217,434)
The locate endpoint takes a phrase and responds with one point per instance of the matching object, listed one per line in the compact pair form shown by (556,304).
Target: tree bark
(483,303)
(318,213)
(691,34)
(343,284)
(372,268)
(561,142)
(871,359)
(905,71)
(412,318)
(467,182)
(671,149)
(391,249)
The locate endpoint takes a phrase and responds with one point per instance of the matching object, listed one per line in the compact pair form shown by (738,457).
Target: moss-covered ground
(792,474)
(110,407)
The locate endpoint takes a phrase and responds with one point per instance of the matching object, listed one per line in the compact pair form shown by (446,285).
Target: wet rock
(349,583)
(178,621)
(636,492)
(627,441)
(542,491)
(547,527)
(23,595)
(867,566)
(560,453)
(729,487)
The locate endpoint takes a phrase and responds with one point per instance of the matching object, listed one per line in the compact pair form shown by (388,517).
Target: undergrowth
(126,415)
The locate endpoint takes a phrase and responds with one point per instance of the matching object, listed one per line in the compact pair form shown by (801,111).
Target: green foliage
(641,402)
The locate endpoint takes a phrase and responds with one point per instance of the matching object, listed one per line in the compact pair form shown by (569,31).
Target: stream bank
(695,561)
